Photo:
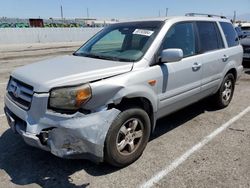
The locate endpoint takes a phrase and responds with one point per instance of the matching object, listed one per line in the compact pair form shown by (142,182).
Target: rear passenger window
(181,36)
(210,37)
(230,34)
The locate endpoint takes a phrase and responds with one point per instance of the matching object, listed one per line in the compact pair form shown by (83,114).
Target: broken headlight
(70,98)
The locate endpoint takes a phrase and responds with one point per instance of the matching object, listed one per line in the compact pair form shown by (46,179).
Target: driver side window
(181,36)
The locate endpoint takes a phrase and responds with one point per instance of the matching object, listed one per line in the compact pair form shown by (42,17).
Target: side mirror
(171,55)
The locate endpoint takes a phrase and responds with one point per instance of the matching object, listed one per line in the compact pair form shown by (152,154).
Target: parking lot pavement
(10,52)
(12,56)
(222,162)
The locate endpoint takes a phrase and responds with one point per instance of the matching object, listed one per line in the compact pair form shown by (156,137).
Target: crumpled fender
(83,136)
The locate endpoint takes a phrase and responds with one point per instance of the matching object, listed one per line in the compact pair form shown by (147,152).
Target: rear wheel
(127,137)
(225,94)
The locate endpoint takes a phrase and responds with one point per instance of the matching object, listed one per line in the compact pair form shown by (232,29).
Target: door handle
(225,58)
(196,66)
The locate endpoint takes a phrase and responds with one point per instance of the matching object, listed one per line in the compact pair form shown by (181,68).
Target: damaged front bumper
(82,135)
(67,136)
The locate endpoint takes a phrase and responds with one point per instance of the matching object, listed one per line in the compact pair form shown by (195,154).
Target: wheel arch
(232,71)
(141,102)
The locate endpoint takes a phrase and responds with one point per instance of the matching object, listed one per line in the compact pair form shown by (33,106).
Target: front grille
(246,49)
(20,93)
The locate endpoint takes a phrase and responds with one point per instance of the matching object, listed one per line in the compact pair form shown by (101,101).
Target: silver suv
(102,102)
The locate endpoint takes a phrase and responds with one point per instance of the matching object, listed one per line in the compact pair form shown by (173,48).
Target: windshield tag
(143,32)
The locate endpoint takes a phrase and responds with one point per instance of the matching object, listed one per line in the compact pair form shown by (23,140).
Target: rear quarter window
(230,34)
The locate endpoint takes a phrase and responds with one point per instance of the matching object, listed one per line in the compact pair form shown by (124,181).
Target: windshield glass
(121,42)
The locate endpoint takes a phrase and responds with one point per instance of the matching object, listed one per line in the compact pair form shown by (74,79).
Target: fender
(136,91)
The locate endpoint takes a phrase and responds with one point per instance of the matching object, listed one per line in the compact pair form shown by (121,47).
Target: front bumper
(67,136)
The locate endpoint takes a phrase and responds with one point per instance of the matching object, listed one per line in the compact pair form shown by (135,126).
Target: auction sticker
(143,32)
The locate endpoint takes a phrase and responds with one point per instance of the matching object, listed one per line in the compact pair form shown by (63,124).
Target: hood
(245,41)
(68,70)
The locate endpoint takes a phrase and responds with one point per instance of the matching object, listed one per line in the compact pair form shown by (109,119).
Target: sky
(121,9)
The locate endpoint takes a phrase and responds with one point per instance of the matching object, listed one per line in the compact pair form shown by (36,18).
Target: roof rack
(208,15)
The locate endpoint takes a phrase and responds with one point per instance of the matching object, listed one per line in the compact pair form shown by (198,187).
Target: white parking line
(4,83)
(2,115)
(157,177)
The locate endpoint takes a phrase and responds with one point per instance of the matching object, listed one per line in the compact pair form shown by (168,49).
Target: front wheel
(127,137)
(225,94)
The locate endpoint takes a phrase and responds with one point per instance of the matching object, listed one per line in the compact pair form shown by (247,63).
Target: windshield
(121,42)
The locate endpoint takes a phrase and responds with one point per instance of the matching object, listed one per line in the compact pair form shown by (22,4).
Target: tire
(127,137)
(225,94)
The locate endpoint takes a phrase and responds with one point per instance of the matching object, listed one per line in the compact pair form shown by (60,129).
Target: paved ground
(222,162)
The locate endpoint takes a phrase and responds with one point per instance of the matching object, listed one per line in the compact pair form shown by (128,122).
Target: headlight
(71,98)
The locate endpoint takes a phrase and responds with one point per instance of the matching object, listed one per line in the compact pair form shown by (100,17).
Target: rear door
(234,49)
(214,58)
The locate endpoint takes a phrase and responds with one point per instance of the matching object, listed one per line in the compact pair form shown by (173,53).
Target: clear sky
(121,9)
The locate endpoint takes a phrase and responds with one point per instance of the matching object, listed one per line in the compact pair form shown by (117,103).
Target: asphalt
(222,162)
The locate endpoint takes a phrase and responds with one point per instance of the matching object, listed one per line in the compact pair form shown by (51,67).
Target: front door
(181,81)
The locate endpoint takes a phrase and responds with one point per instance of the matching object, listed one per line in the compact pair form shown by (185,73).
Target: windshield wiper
(79,54)
(98,56)
(117,59)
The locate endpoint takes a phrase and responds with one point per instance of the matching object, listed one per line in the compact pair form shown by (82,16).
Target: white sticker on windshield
(143,32)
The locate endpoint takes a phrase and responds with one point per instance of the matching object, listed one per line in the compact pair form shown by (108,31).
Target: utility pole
(159,13)
(234,19)
(166,12)
(62,12)
(87,12)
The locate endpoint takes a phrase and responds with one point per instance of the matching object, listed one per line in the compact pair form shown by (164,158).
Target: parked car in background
(246,49)
(5,25)
(240,33)
(22,25)
(245,42)
(14,25)
(245,27)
